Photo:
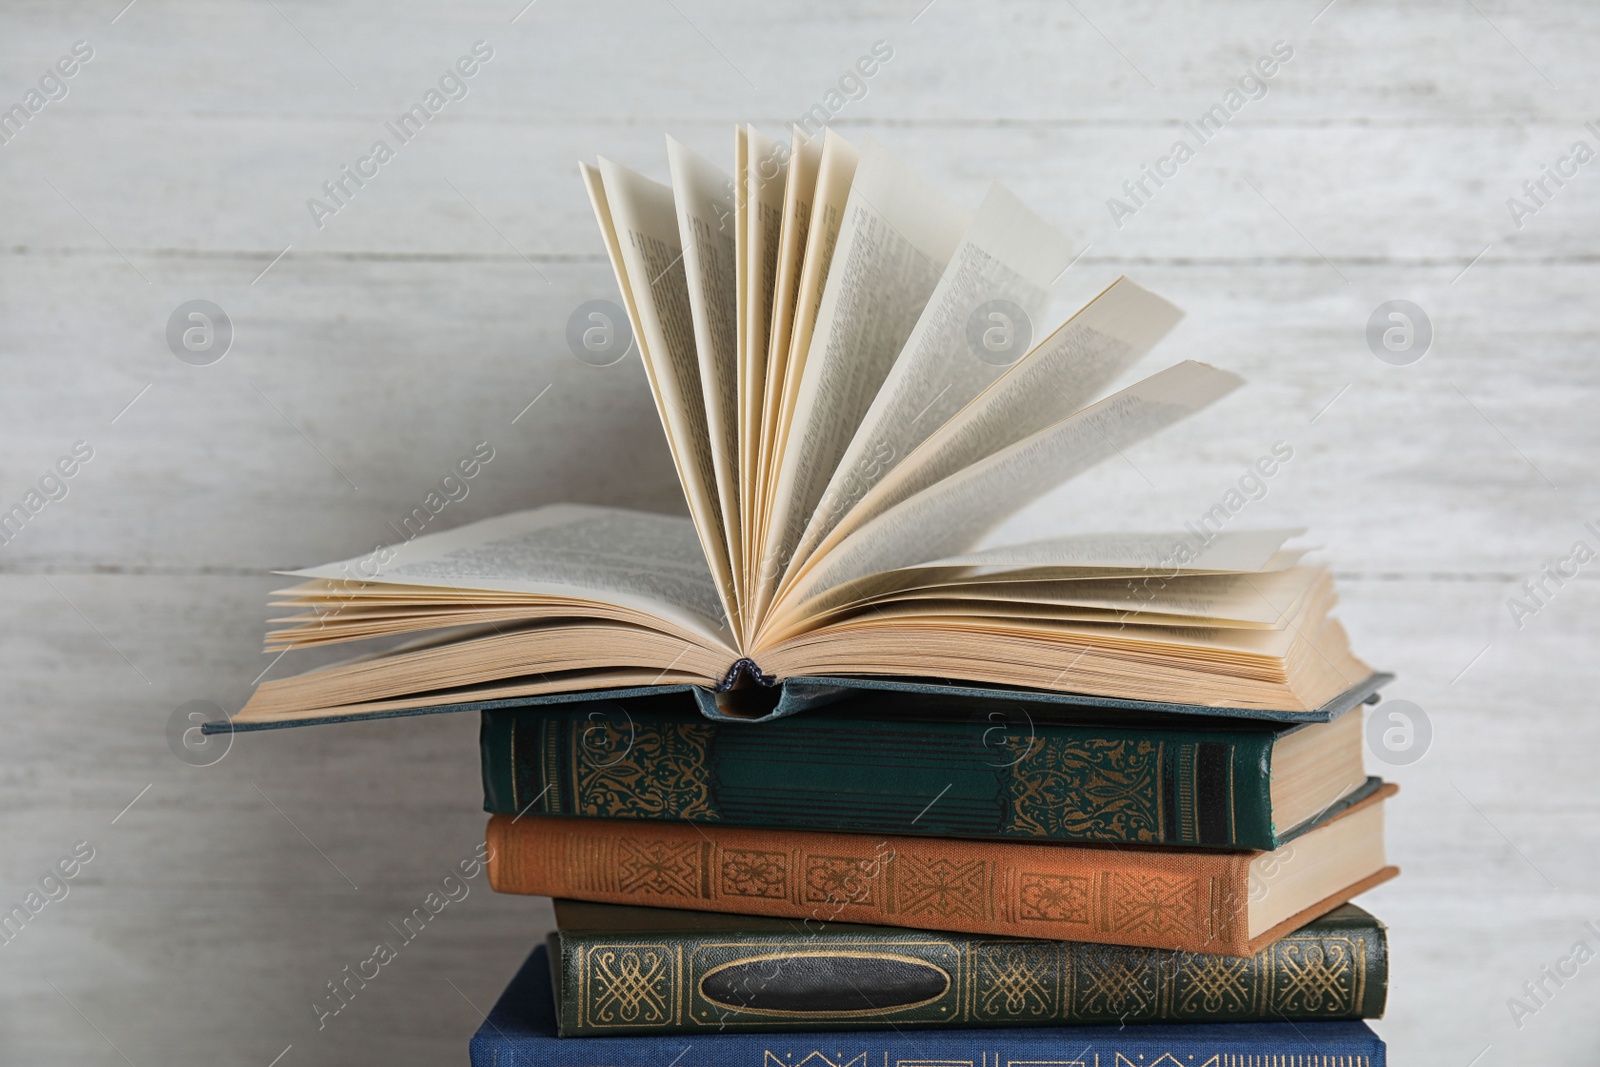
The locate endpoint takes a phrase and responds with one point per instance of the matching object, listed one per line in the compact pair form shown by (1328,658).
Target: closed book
(1192,900)
(895,763)
(629,970)
(521,1030)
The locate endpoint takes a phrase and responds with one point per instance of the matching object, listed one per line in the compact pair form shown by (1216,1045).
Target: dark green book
(621,970)
(910,764)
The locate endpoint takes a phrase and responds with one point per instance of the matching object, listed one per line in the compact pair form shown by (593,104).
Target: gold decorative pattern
(1116,983)
(1205,986)
(945,888)
(627,985)
(842,880)
(1185,781)
(1087,790)
(996,982)
(754,873)
(1053,897)
(706,959)
(1015,979)
(993,890)
(1317,977)
(638,769)
(662,867)
(1155,905)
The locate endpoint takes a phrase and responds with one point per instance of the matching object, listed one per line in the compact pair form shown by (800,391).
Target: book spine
(1277,1044)
(1192,900)
(721,983)
(995,777)
(498,753)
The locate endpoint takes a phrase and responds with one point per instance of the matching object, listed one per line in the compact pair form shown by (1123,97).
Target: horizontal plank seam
(262,255)
(656,122)
(267,569)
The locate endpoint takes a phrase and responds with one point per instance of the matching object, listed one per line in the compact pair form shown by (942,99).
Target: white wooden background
(428,313)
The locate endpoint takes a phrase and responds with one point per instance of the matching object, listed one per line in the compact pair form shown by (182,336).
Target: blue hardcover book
(521,1032)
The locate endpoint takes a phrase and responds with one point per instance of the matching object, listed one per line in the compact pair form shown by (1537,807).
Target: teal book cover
(914,764)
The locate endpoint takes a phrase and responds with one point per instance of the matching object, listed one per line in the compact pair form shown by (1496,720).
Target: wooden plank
(1432,195)
(650,64)
(385,373)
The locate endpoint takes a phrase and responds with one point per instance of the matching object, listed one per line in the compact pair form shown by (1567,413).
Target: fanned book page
(857,383)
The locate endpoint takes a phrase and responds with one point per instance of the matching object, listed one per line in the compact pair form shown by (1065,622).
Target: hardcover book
(521,1030)
(904,764)
(790,696)
(627,970)
(858,382)
(1192,900)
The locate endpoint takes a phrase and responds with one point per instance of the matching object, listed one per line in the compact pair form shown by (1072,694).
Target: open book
(842,364)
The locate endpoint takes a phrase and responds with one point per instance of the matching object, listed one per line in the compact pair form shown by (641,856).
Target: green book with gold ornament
(621,970)
(909,763)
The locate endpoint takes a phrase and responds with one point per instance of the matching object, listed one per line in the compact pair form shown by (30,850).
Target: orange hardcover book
(1230,903)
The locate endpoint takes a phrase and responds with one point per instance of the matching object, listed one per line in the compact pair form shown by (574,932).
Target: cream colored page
(835,172)
(1147,560)
(765,187)
(595,186)
(646,225)
(1237,644)
(1264,598)
(954,514)
(705,207)
(805,162)
(898,235)
(650,563)
(1090,585)
(982,613)
(1181,551)
(259,707)
(741,266)
(1054,380)
(1256,596)
(962,342)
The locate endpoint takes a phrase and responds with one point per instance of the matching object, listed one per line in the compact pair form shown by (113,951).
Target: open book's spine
(827,979)
(984,778)
(1188,900)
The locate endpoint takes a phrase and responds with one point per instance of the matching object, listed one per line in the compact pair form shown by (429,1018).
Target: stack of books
(931,875)
(817,778)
